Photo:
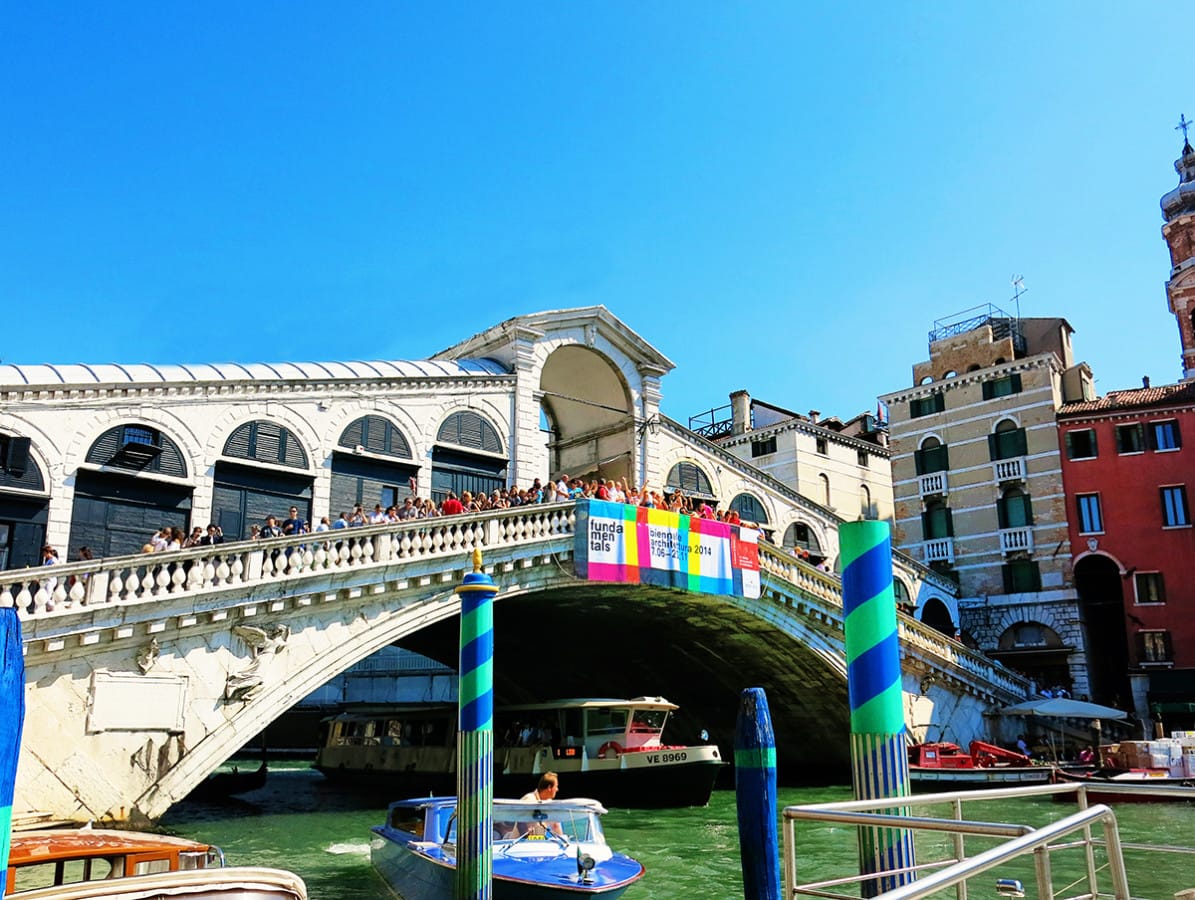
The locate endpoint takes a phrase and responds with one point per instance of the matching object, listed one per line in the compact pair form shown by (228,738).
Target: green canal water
(302,822)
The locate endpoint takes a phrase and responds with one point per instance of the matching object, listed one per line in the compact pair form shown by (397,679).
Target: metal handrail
(1024,838)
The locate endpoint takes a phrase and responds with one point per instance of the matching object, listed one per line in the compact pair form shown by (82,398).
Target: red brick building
(1128,465)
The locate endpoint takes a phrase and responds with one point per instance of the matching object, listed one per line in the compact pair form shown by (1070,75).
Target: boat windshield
(534,822)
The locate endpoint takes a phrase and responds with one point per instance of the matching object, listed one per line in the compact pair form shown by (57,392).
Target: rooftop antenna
(1183,125)
(1018,288)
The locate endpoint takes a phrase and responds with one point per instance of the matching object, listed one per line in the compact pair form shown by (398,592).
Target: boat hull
(632,781)
(928,779)
(413,875)
(1145,789)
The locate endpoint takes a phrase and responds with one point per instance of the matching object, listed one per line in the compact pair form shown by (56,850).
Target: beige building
(977,483)
(843,466)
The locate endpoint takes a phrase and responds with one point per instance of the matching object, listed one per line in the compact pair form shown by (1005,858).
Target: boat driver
(549,785)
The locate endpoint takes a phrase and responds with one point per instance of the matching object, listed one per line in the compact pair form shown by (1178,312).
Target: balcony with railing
(939,550)
(1013,540)
(933,483)
(1009,469)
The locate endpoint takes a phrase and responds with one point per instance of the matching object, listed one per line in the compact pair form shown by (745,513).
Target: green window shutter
(993,447)
(1006,571)
(919,461)
(1015,380)
(989,390)
(1020,443)
(1027,504)
(949,523)
(1069,446)
(1002,511)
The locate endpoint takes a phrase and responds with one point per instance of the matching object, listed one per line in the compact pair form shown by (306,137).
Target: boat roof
(48,844)
(596,703)
(374,710)
(581,804)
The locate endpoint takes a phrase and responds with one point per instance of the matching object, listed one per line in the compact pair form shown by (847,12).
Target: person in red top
(452,506)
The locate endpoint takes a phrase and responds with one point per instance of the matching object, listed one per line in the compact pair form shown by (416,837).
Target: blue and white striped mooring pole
(475,738)
(12,717)
(879,759)
(755,796)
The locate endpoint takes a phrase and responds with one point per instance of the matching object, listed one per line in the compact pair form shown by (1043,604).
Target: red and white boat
(946,766)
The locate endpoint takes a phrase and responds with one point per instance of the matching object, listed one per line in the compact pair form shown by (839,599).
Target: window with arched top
(865,509)
(468,429)
(749,509)
(138,448)
(1007,441)
(949,374)
(266,442)
(690,479)
(799,536)
(17,467)
(377,435)
(931,456)
(901,593)
(825,480)
(928,379)
(1014,508)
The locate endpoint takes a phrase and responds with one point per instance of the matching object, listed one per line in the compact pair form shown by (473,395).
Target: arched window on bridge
(118,507)
(691,480)
(801,540)
(904,602)
(935,614)
(372,464)
(245,493)
(467,457)
(23,513)
(750,509)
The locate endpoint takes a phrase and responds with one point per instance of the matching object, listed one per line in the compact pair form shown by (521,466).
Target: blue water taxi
(542,849)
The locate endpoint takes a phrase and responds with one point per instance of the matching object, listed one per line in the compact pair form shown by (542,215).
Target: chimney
(740,412)
(1145,381)
(814,415)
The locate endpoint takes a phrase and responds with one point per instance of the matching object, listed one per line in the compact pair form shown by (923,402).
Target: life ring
(611,745)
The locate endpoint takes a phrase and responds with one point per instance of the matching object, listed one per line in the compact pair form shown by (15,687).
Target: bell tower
(1178,209)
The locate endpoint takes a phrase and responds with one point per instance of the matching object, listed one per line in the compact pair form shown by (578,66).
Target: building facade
(844,466)
(978,488)
(1127,469)
(1127,473)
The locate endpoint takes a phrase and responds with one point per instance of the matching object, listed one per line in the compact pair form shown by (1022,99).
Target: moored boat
(609,749)
(542,849)
(945,766)
(1130,786)
(102,864)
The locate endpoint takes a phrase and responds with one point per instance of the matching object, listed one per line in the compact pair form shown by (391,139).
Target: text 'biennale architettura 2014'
(637,545)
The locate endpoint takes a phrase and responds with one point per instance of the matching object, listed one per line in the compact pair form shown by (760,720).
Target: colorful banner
(637,545)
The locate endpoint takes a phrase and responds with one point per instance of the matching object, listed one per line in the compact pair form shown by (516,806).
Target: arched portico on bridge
(589,413)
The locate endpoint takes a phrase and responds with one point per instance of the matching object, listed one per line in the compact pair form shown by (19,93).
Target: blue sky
(779,197)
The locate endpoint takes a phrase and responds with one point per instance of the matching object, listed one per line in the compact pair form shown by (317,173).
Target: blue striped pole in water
(879,759)
(475,738)
(12,717)
(755,797)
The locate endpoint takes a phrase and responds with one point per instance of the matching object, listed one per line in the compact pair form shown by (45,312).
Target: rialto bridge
(145,672)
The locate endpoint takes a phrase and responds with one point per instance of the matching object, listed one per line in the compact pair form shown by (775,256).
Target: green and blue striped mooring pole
(12,718)
(879,759)
(475,738)
(755,797)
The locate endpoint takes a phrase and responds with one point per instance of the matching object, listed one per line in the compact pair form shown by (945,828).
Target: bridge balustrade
(58,590)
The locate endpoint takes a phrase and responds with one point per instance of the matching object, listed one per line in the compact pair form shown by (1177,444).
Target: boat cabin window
(151,866)
(409,819)
(607,721)
(649,720)
(67,871)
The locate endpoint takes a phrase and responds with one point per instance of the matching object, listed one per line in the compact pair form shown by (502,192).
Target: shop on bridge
(372,464)
(24,504)
(125,495)
(252,481)
(468,456)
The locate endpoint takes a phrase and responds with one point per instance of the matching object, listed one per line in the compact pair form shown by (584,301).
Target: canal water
(302,822)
